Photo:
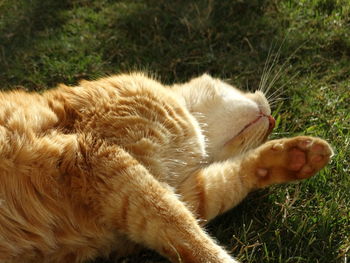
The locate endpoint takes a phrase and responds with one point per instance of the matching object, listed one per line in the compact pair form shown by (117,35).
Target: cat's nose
(272,123)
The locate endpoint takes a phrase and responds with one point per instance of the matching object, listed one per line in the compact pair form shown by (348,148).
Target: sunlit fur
(125,162)
(223,111)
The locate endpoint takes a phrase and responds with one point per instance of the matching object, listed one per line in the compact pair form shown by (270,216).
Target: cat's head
(233,121)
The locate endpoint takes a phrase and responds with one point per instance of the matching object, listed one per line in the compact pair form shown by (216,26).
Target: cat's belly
(156,129)
(170,146)
(145,118)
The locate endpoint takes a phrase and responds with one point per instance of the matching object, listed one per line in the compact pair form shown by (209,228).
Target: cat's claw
(291,159)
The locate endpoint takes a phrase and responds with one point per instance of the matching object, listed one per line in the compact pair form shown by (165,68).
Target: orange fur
(123,161)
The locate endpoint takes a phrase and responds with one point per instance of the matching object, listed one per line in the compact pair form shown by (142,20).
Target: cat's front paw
(291,159)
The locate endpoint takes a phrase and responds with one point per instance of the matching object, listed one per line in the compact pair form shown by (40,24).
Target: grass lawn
(43,43)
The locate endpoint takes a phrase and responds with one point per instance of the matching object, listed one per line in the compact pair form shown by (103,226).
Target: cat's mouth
(262,115)
(249,125)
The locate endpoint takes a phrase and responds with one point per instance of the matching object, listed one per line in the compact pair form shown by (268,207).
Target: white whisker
(267,62)
(276,58)
(277,101)
(253,141)
(283,69)
(275,93)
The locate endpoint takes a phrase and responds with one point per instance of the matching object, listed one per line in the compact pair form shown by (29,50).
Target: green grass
(43,43)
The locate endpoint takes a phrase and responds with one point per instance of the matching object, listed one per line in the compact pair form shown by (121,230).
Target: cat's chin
(250,136)
(257,130)
(249,125)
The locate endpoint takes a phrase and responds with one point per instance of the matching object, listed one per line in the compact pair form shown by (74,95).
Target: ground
(43,43)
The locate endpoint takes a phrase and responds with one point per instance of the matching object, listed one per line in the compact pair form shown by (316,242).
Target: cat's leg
(144,210)
(221,186)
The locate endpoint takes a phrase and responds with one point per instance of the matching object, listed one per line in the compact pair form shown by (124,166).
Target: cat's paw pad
(307,155)
(297,159)
(292,159)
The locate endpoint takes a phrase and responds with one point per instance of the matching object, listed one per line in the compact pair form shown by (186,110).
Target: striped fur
(125,162)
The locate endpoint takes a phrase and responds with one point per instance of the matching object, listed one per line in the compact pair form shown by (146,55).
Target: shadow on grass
(264,227)
(22,22)
(174,39)
(180,39)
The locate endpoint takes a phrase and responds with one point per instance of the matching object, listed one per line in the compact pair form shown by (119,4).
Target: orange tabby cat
(125,161)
